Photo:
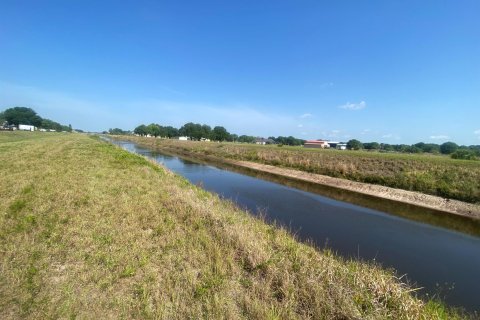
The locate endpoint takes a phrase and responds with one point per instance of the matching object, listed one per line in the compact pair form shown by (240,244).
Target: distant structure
(26,127)
(337,145)
(6,126)
(324,144)
(183,138)
(316,144)
(263,141)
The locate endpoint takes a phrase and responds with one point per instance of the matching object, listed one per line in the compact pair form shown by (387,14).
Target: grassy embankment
(430,174)
(88,230)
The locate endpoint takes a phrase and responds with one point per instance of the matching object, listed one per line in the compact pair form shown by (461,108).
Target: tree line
(197,131)
(448,148)
(27,116)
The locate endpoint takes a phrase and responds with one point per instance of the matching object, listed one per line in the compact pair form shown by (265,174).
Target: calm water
(439,259)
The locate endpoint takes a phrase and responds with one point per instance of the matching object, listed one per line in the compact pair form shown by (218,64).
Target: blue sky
(389,71)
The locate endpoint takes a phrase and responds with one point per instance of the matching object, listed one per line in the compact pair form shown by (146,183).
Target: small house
(263,141)
(26,127)
(183,138)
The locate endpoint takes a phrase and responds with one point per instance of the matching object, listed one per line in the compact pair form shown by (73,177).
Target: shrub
(464,154)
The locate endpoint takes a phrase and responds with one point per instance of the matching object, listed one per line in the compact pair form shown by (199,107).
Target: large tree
(141,130)
(194,131)
(220,134)
(22,115)
(354,144)
(171,132)
(448,147)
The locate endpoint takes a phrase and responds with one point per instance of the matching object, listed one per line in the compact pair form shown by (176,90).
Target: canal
(440,254)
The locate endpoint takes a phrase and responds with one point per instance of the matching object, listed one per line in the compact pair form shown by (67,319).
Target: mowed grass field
(431,174)
(88,230)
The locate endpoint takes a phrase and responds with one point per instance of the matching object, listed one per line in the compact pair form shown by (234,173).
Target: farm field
(89,230)
(430,174)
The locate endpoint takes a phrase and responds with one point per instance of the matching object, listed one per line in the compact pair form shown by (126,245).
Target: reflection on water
(434,250)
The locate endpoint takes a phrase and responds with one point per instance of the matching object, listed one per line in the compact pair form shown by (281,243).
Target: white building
(183,138)
(26,127)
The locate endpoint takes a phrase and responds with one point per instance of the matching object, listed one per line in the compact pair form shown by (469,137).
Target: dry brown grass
(430,174)
(88,230)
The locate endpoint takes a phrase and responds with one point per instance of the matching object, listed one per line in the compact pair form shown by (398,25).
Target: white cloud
(354,106)
(300,126)
(326,85)
(365,131)
(306,115)
(477,132)
(387,136)
(439,137)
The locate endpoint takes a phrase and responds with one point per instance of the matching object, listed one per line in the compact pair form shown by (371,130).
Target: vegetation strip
(415,198)
(89,230)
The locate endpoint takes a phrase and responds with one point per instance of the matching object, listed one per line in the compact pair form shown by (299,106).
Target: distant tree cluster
(22,115)
(290,141)
(194,131)
(117,131)
(156,130)
(448,148)
(197,131)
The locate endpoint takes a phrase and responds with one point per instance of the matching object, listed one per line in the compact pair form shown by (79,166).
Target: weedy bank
(430,174)
(89,230)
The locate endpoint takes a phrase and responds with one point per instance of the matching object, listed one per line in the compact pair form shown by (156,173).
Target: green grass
(88,230)
(431,174)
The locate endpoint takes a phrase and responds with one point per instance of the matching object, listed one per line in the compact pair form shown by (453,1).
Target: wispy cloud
(477,133)
(439,137)
(354,106)
(300,126)
(306,115)
(59,106)
(326,85)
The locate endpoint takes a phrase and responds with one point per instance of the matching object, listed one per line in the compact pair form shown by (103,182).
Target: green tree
(116,131)
(22,115)
(247,139)
(50,125)
(206,132)
(141,130)
(448,147)
(171,132)
(192,130)
(371,146)
(464,154)
(233,137)
(154,129)
(220,134)
(354,144)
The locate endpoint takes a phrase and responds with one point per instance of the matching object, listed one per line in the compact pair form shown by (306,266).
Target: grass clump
(116,236)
